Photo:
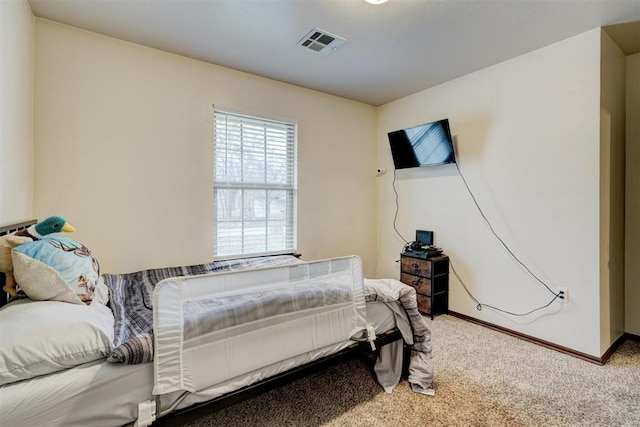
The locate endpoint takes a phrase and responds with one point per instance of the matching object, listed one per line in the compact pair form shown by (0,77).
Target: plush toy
(53,224)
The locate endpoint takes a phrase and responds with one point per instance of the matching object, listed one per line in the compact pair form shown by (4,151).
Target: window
(254,185)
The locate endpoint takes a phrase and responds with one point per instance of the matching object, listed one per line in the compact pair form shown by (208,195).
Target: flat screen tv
(429,144)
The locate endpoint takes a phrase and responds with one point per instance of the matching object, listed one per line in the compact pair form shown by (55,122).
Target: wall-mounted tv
(429,144)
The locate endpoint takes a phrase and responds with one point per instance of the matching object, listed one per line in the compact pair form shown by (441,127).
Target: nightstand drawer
(422,285)
(424,304)
(416,266)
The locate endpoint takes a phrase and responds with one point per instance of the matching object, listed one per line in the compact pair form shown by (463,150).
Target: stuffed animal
(53,224)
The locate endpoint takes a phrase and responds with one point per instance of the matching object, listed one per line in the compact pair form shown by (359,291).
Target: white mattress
(107,394)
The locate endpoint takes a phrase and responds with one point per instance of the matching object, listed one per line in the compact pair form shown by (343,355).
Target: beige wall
(16,111)
(526,135)
(612,176)
(123,138)
(632,225)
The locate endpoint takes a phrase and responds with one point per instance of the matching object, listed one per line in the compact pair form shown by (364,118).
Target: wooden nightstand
(430,278)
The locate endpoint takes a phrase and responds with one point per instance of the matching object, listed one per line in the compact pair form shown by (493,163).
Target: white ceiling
(392,50)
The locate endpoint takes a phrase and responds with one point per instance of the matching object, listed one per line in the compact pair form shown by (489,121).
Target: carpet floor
(482,378)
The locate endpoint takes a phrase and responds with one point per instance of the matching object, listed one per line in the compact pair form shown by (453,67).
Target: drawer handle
(416,282)
(415,265)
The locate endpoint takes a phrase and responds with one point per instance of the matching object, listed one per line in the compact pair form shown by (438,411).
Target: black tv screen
(429,144)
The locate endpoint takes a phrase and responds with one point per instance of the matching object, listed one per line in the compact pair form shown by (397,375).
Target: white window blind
(254,186)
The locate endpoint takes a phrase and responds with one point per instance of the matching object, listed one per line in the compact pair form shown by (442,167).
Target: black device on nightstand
(422,247)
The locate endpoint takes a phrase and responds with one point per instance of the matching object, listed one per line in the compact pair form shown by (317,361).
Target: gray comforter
(421,358)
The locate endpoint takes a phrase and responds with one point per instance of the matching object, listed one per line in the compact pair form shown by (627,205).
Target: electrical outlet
(564,296)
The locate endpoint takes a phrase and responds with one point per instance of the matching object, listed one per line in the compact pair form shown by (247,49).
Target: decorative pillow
(56,268)
(41,337)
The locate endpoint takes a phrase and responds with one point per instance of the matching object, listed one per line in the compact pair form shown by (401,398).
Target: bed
(208,336)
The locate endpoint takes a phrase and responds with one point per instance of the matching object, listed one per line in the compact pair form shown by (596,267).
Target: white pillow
(41,337)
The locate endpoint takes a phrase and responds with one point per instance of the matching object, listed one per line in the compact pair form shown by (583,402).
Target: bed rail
(209,320)
(4,230)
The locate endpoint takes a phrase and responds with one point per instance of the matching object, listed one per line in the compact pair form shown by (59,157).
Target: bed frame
(193,412)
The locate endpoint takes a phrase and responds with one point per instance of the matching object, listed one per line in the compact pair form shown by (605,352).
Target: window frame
(289,187)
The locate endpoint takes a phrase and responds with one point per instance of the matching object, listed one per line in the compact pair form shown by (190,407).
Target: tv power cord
(479,306)
(395,217)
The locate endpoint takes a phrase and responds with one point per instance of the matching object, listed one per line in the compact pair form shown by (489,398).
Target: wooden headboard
(4,230)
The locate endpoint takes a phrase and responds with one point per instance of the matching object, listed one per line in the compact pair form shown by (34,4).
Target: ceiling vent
(321,41)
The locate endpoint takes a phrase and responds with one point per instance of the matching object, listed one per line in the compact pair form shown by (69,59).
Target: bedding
(106,394)
(131,299)
(418,335)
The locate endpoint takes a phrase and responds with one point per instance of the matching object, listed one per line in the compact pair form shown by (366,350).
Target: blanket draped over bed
(421,359)
(131,297)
